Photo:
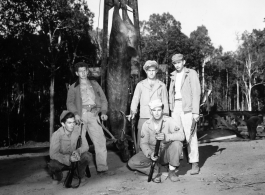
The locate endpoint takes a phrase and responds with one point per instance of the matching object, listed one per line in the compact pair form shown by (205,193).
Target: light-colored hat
(155,103)
(177,57)
(150,63)
(65,112)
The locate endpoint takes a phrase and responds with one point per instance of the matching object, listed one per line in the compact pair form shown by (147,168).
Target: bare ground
(226,168)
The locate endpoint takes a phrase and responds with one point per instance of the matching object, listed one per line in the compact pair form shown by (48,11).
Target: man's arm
(70,102)
(174,132)
(84,147)
(136,99)
(55,150)
(144,142)
(103,99)
(196,91)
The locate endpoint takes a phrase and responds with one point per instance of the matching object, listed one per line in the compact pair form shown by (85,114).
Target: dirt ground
(226,168)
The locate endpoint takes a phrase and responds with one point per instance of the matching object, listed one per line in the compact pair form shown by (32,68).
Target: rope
(98,17)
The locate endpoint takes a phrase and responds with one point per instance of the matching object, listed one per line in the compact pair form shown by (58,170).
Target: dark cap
(177,57)
(64,113)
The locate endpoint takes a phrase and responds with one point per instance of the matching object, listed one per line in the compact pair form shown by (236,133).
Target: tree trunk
(52,106)
(237,96)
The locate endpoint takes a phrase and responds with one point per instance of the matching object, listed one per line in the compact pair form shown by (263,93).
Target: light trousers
(184,120)
(97,136)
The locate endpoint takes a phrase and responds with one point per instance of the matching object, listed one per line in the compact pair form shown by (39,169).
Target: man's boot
(172,176)
(195,169)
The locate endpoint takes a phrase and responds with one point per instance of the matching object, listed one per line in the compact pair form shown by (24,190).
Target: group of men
(85,100)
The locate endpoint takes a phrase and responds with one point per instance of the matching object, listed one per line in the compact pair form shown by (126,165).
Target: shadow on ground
(205,152)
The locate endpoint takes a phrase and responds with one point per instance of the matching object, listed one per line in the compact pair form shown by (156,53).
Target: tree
(53,34)
(251,57)
(202,49)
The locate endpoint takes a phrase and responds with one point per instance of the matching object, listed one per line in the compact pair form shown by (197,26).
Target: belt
(180,99)
(89,107)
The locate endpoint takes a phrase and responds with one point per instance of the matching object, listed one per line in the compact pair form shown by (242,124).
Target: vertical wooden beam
(105,45)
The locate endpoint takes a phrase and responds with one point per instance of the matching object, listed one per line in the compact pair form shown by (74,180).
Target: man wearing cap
(86,100)
(149,89)
(171,137)
(184,100)
(63,147)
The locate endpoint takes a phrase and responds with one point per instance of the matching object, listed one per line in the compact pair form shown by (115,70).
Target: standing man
(63,147)
(149,89)
(86,100)
(171,137)
(184,100)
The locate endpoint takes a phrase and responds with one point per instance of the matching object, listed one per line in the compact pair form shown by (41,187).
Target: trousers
(97,136)
(170,153)
(56,167)
(184,119)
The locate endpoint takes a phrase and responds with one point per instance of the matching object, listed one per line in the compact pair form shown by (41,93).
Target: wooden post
(105,44)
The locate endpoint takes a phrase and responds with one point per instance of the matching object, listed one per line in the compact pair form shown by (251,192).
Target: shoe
(172,176)
(157,178)
(108,173)
(57,176)
(195,169)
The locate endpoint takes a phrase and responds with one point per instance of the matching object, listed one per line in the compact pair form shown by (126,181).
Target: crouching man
(170,148)
(63,148)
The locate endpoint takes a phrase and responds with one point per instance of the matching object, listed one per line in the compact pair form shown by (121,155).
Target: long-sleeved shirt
(74,101)
(170,129)
(62,145)
(143,94)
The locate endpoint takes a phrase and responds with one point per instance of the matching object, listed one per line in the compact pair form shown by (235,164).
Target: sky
(224,19)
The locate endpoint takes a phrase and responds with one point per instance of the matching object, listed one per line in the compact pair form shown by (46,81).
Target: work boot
(157,178)
(172,176)
(195,169)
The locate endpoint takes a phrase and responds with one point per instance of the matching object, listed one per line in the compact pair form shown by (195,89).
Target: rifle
(74,167)
(136,149)
(157,146)
(186,143)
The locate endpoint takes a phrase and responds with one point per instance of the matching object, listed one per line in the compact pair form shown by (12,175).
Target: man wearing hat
(184,100)
(86,100)
(171,137)
(63,147)
(149,89)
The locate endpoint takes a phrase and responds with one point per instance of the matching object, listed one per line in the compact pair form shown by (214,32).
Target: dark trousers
(56,168)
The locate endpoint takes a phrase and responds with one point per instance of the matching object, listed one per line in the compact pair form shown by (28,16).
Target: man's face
(82,72)
(69,124)
(179,65)
(157,112)
(151,72)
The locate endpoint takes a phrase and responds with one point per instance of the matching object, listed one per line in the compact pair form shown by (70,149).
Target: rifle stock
(157,146)
(136,149)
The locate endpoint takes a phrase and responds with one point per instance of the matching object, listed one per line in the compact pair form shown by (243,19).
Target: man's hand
(75,156)
(104,117)
(131,116)
(153,158)
(78,119)
(160,136)
(196,117)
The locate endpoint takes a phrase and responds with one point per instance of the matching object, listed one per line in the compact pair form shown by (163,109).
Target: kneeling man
(170,148)
(63,147)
